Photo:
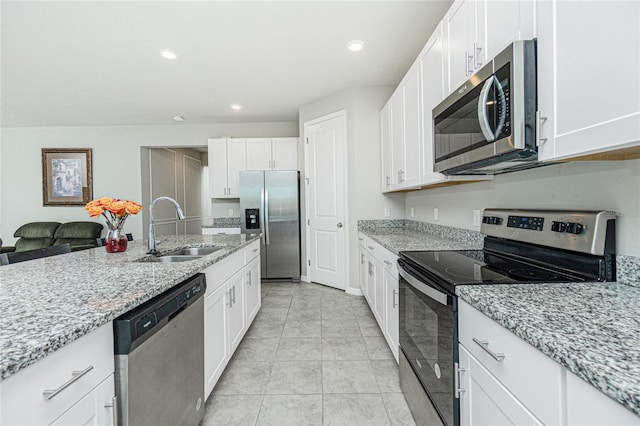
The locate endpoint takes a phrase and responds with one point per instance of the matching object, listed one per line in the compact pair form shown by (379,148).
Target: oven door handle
(424,288)
(485,127)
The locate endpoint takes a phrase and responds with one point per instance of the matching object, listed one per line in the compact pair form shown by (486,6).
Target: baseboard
(304,278)
(354,291)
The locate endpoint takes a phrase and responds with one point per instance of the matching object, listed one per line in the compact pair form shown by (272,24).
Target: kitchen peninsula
(51,304)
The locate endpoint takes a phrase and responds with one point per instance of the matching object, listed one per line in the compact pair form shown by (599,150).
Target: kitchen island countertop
(48,303)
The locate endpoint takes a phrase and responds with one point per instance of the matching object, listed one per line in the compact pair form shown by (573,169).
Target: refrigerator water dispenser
(251,217)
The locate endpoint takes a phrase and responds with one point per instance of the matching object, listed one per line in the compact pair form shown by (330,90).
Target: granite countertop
(593,329)
(48,303)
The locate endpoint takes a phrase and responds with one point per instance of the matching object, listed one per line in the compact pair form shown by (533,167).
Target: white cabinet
(484,401)
(95,409)
(253,292)
(387,148)
(230,305)
(236,309)
(587,406)
(218,231)
(81,372)
(272,154)
(379,283)
(397,137)
(588,79)
(391,326)
(477,30)
(528,374)
(410,172)
(226,161)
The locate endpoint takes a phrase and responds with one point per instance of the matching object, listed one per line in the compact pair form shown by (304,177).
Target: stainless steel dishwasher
(159,357)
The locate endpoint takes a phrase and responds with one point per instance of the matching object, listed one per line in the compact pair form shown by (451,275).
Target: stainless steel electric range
(521,246)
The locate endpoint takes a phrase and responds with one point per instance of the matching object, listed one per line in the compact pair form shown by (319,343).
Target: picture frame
(67,177)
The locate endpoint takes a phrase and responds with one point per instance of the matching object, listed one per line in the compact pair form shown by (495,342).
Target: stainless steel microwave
(488,125)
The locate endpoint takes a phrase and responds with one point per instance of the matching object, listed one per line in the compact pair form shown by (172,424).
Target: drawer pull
(255,250)
(370,247)
(114,412)
(484,344)
(75,376)
(386,262)
(456,386)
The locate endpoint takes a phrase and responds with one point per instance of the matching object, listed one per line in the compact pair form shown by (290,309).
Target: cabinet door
(499,23)
(237,316)
(411,149)
(485,401)
(432,93)
(397,137)
(236,160)
(591,106)
(284,153)
(259,154)
(216,344)
(217,168)
(363,272)
(387,148)
(391,329)
(253,289)
(460,34)
(371,283)
(96,408)
(378,273)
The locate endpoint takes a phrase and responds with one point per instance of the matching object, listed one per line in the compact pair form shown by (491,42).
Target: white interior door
(325,154)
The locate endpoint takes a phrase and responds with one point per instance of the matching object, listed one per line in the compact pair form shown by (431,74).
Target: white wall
(573,186)
(116,163)
(365,200)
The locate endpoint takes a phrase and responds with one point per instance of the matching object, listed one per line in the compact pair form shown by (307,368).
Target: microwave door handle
(482,110)
(502,108)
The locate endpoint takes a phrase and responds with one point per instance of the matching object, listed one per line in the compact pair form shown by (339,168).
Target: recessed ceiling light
(168,54)
(178,118)
(355,45)
(236,106)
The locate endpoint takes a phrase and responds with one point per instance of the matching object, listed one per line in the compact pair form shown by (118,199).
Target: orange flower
(93,209)
(133,208)
(117,207)
(104,201)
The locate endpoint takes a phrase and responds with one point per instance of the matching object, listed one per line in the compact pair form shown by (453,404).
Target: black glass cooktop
(453,268)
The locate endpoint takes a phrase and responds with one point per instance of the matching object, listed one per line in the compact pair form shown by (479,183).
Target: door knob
(339,224)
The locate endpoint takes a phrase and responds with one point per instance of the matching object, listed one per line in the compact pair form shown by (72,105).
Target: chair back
(21,256)
(35,235)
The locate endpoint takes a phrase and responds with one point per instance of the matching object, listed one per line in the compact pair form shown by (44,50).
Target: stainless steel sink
(194,251)
(170,258)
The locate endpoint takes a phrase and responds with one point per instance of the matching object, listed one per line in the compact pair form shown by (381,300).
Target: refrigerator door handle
(266,214)
(262,206)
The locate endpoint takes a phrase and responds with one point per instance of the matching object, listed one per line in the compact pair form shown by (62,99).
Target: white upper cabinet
(272,154)
(477,30)
(397,137)
(410,173)
(387,149)
(589,79)
(226,161)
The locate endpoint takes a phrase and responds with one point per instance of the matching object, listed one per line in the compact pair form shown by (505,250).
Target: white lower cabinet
(379,281)
(484,400)
(71,386)
(229,308)
(505,380)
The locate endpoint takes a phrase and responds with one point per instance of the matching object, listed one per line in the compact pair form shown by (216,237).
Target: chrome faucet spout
(152,238)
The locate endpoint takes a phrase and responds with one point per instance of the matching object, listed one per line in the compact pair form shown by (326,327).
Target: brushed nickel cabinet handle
(75,376)
(114,412)
(484,344)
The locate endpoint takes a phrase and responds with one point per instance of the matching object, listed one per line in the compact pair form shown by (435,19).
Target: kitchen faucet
(152,238)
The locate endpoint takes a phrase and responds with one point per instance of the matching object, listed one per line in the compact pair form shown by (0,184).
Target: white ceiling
(83,63)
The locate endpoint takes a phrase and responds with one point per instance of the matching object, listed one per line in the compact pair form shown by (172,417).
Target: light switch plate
(412,213)
(230,212)
(435,213)
(387,212)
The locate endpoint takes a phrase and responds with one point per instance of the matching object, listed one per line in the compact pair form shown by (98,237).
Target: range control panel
(582,231)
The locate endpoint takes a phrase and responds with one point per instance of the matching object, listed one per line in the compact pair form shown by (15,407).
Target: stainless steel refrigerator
(269,204)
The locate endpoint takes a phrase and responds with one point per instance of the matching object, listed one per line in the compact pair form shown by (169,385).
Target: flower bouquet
(116,212)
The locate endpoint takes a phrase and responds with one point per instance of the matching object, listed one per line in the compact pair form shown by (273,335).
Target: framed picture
(66,176)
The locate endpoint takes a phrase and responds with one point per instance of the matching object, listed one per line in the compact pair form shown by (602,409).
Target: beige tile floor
(313,356)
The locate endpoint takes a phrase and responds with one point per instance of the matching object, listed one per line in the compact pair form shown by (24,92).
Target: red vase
(116,240)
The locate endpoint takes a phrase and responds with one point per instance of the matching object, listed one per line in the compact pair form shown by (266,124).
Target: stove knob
(574,228)
(496,220)
(558,226)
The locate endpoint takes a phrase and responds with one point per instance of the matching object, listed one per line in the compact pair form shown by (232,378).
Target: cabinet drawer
(532,377)
(23,401)
(221,271)
(216,231)
(386,258)
(251,251)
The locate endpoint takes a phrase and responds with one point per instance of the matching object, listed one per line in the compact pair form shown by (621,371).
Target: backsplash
(447,232)
(224,222)
(628,270)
